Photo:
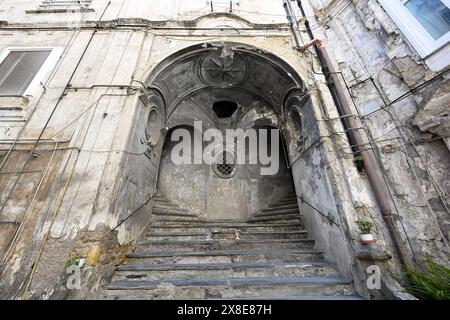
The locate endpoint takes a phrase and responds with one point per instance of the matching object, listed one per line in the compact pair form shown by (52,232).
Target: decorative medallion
(224,67)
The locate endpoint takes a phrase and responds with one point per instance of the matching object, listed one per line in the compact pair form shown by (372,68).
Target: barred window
(64,4)
(225,165)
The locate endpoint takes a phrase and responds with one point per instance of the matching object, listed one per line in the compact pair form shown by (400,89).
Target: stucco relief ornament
(224,67)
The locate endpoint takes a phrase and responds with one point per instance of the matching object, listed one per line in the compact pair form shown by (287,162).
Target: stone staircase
(165,211)
(268,257)
(285,210)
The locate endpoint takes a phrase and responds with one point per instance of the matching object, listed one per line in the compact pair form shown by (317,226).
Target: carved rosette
(223,67)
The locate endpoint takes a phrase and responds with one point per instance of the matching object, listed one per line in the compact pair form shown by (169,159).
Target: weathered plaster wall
(82,150)
(380,66)
(92,168)
(98,173)
(196,188)
(184,184)
(20,11)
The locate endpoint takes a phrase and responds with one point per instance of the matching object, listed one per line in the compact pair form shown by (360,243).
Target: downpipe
(352,125)
(370,162)
(292,24)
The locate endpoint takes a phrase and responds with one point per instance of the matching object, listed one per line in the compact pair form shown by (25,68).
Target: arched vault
(193,79)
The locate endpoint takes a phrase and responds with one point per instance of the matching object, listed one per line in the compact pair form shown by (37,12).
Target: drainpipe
(292,23)
(352,125)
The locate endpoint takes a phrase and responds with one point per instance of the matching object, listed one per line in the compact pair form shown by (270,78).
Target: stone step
(170,219)
(172,212)
(166,205)
(286,199)
(161,205)
(226,270)
(277,213)
(295,218)
(181,235)
(225,256)
(319,297)
(281,207)
(160,198)
(229,288)
(283,202)
(163,201)
(163,245)
(208,227)
(275,234)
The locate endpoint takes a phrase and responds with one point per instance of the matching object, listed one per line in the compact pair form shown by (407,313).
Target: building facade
(91,91)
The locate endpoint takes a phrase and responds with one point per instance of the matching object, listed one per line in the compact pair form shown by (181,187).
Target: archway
(206,207)
(225,86)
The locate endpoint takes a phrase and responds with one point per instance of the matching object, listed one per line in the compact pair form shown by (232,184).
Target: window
(225,165)
(224,1)
(64,4)
(426,23)
(19,68)
(223,4)
(224,109)
(433,15)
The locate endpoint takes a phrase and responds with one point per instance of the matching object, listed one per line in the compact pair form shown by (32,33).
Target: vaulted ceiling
(224,71)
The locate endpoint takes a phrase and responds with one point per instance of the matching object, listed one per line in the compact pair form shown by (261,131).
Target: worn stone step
(181,235)
(161,198)
(163,245)
(172,212)
(226,270)
(295,218)
(275,234)
(208,227)
(283,202)
(288,200)
(223,230)
(229,288)
(277,213)
(281,207)
(318,297)
(162,205)
(225,256)
(170,219)
(166,205)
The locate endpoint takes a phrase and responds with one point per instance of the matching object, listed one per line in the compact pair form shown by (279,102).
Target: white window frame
(35,87)
(417,35)
(223,1)
(64,4)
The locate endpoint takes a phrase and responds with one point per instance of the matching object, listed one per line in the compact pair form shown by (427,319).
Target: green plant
(73,261)
(359,162)
(431,284)
(364,225)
